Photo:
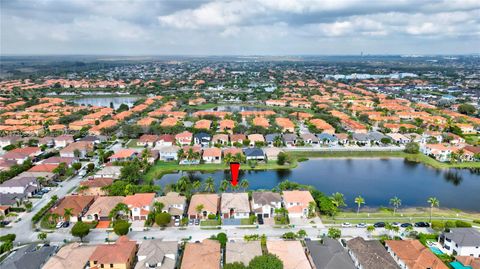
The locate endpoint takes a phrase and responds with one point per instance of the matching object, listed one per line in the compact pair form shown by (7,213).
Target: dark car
(260,220)
(422,224)
(66,224)
(405,225)
(379,225)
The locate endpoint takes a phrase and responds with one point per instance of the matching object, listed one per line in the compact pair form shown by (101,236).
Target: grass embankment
(403,215)
(420,158)
(161,168)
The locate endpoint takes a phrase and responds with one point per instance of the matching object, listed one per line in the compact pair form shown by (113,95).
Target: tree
(90,167)
(282,158)
(338,199)
(266,261)
(359,201)
(199,208)
(224,185)
(77,166)
(244,184)
(370,229)
(334,233)
(209,185)
(466,109)
(158,206)
(302,233)
(396,203)
(196,185)
(412,148)
(434,202)
(121,227)
(119,208)
(80,229)
(221,238)
(67,213)
(162,219)
(61,169)
(42,236)
(131,172)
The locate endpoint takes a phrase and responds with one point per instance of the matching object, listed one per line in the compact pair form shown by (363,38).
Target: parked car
(260,220)
(346,224)
(59,225)
(66,224)
(422,224)
(361,225)
(82,173)
(197,222)
(177,222)
(379,224)
(191,222)
(405,225)
(396,224)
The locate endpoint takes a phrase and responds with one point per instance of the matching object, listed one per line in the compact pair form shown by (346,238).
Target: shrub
(162,219)
(8,237)
(438,225)
(477,221)
(334,233)
(289,235)
(412,148)
(80,229)
(37,217)
(463,224)
(212,216)
(450,224)
(424,237)
(269,261)
(121,227)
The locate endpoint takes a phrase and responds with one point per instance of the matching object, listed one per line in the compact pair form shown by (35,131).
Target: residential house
(399,138)
(461,242)
(232,152)
(70,256)
(235,206)
(202,139)
(77,149)
(226,126)
(113,172)
(58,160)
(254,154)
(9,140)
(140,205)
(207,203)
(202,255)
(63,140)
(120,255)
(168,153)
(165,140)
(95,186)
(203,124)
(468,262)
(101,208)
(237,138)
(31,256)
(290,139)
(173,203)
(23,186)
(322,125)
(291,253)
(212,155)
(412,254)
(184,138)
(242,252)
(297,203)
(285,124)
(272,153)
(440,152)
(123,155)
(220,139)
(147,140)
(157,254)
(310,139)
(370,254)
(327,139)
(270,139)
(265,203)
(329,254)
(20,155)
(77,204)
(256,139)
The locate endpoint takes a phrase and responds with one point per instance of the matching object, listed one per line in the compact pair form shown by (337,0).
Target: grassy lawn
(209,222)
(132,144)
(161,168)
(420,158)
(404,215)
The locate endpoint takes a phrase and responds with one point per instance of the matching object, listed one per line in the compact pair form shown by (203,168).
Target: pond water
(105,101)
(235,108)
(376,180)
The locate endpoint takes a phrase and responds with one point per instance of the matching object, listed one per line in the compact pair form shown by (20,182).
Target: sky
(242,27)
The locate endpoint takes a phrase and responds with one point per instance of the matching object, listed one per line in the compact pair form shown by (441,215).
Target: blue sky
(243,27)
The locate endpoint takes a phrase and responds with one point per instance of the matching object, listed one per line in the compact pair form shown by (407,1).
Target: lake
(105,101)
(377,180)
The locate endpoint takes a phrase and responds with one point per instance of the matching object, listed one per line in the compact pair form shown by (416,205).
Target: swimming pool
(458,265)
(436,250)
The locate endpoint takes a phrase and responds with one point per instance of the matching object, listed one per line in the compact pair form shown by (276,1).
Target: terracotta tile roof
(139,199)
(212,152)
(76,202)
(124,153)
(290,253)
(97,182)
(43,168)
(414,254)
(205,255)
(203,124)
(210,203)
(118,253)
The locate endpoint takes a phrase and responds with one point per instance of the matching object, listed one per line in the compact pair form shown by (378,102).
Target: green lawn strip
(209,223)
(132,144)
(420,158)
(162,168)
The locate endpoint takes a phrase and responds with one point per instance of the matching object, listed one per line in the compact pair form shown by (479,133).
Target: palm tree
(389,228)
(209,185)
(434,202)
(158,206)
(396,203)
(180,153)
(42,236)
(359,201)
(196,185)
(67,213)
(182,184)
(224,185)
(338,199)
(199,209)
(244,184)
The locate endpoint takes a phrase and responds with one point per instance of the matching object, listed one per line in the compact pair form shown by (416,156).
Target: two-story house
(265,203)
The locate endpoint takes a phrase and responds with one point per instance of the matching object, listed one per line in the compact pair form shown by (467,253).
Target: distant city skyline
(246,27)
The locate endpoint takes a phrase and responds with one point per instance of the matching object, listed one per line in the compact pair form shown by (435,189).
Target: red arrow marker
(234,169)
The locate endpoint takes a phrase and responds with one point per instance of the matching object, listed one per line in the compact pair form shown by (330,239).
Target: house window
(111,265)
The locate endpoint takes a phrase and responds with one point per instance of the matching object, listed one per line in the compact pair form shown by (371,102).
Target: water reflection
(453,177)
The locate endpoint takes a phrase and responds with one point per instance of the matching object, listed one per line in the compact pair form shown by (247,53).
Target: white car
(59,225)
(346,225)
(361,225)
(177,222)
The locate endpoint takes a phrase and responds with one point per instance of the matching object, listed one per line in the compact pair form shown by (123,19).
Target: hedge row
(440,225)
(44,210)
